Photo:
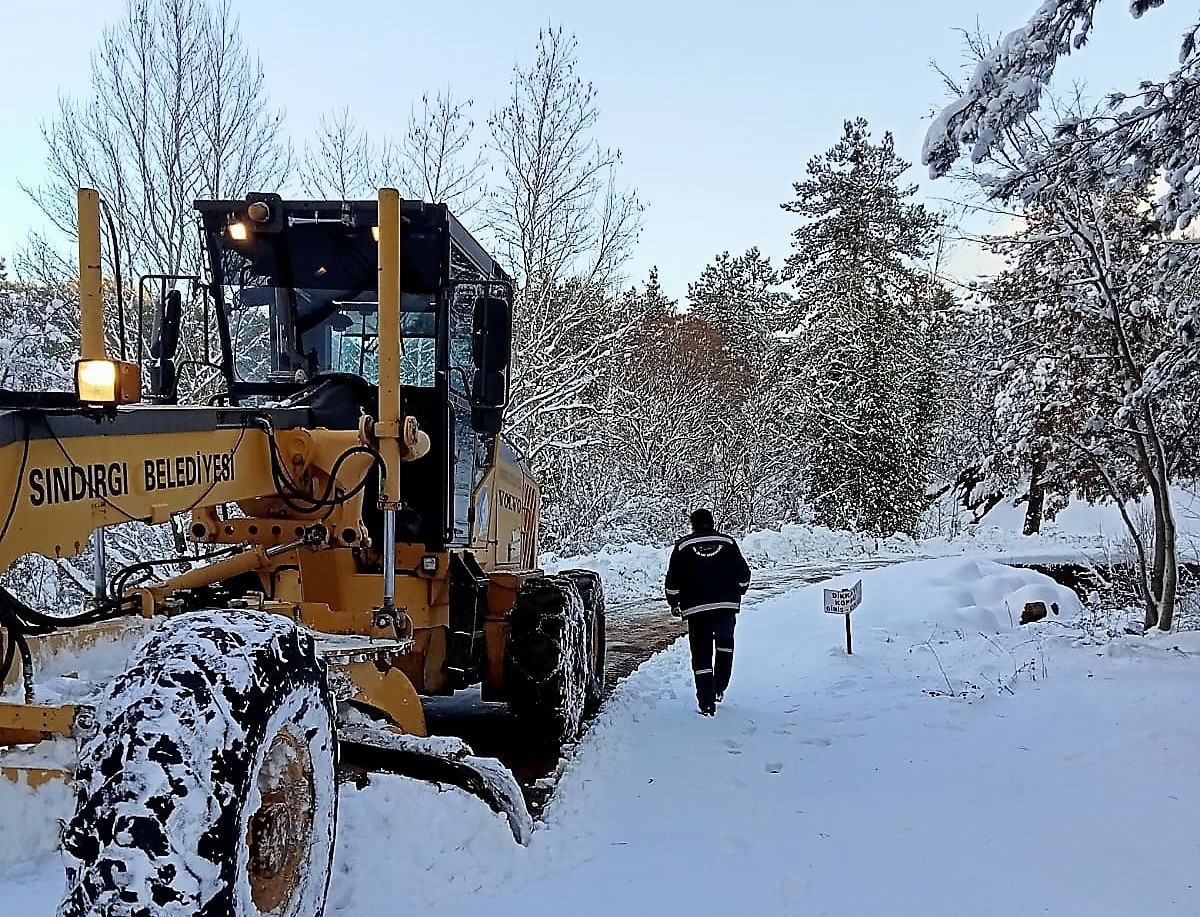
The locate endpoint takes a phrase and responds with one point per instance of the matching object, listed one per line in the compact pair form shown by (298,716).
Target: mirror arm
(466,381)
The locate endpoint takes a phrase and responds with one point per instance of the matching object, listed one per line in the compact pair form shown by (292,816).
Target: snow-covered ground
(955,764)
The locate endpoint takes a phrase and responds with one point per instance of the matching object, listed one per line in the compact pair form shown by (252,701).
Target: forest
(854,385)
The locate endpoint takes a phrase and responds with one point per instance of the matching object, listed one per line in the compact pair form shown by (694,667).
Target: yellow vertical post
(91,326)
(91,298)
(388,421)
(387,424)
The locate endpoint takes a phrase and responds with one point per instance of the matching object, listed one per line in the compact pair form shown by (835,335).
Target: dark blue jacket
(707,572)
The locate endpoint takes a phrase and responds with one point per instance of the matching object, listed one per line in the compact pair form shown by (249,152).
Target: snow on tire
(591,591)
(208,786)
(545,664)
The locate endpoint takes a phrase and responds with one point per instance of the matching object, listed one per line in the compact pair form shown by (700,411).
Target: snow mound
(629,571)
(973,594)
(959,621)
(32,821)
(792,544)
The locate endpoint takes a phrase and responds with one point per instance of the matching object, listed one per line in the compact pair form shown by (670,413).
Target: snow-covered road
(1063,782)
(955,765)
(638,629)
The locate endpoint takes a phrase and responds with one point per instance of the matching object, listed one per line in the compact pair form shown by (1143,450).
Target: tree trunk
(1037,495)
(1158,571)
(1169,580)
(1164,580)
(1166,615)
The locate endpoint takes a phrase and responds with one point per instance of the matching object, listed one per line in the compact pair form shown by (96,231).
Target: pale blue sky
(716,106)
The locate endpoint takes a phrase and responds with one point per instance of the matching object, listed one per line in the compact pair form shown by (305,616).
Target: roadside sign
(843,601)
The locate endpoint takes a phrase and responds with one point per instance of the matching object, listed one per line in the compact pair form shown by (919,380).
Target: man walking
(706,579)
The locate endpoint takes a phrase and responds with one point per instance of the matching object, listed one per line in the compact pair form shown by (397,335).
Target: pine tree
(744,296)
(863,350)
(751,464)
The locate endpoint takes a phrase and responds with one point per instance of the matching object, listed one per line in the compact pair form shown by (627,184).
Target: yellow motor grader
(320,410)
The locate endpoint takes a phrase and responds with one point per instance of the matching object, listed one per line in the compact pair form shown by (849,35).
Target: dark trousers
(709,630)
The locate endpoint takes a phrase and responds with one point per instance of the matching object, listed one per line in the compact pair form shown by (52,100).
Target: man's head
(702,520)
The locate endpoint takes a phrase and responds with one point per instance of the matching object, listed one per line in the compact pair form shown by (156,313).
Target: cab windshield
(353,345)
(283,334)
(296,296)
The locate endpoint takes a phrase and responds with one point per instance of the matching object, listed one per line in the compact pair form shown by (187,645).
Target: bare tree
(177,112)
(559,216)
(237,143)
(433,161)
(436,158)
(338,163)
(558,211)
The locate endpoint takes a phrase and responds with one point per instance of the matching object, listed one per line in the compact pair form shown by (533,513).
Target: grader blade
(437,759)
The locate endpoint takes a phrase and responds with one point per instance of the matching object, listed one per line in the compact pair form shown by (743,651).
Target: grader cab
(320,412)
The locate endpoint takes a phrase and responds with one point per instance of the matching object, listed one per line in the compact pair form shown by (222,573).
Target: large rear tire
(545,664)
(208,786)
(591,591)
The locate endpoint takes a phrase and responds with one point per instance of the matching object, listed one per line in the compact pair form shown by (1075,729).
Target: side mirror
(488,389)
(487,421)
(164,346)
(491,351)
(491,335)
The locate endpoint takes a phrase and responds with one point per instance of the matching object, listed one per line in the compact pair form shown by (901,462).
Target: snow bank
(1050,547)
(1081,534)
(629,571)
(405,846)
(1098,526)
(634,572)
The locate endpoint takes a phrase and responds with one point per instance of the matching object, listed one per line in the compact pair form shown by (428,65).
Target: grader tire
(545,666)
(591,590)
(207,784)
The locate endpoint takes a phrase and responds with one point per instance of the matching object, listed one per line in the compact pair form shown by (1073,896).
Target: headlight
(107,382)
